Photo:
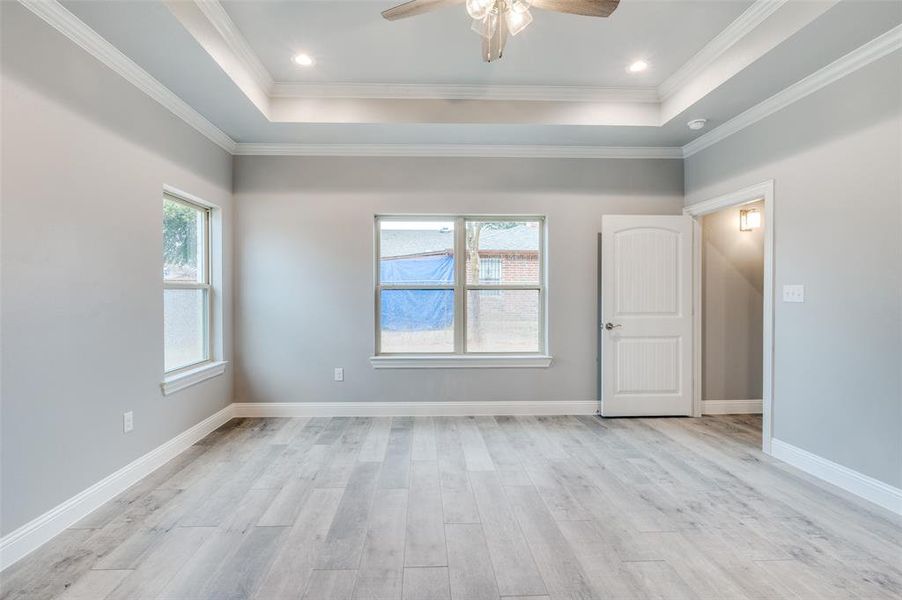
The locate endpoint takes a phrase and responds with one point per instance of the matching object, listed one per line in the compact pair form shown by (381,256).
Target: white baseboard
(24,540)
(873,490)
(410,409)
(731,407)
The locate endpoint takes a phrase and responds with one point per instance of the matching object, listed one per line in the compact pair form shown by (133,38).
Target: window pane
(183,241)
(500,252)
(416,252)
(184,327)
(503,321)
(417,321)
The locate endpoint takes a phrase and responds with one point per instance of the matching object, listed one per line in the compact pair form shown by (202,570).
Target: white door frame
(762,191)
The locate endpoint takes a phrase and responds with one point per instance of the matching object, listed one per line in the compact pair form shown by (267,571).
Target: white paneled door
(646,309)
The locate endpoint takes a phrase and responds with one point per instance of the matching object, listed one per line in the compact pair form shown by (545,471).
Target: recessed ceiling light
(304,60)
(696,124)
(637,67)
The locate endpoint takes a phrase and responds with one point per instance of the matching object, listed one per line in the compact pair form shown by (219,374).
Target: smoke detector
(696,124)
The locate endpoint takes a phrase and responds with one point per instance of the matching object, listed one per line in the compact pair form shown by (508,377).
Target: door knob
(610,326)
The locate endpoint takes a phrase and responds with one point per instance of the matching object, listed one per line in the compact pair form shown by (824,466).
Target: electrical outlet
(339,374)
(794,293)
(128,421)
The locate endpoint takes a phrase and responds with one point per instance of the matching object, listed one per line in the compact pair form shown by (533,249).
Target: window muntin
(187,293)
(429,302)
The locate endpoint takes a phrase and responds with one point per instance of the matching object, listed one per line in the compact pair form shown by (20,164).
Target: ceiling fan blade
(416,7)
(493,47)
(589,8)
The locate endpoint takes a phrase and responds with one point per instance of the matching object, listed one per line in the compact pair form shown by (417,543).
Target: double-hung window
(461,285)
(187,294)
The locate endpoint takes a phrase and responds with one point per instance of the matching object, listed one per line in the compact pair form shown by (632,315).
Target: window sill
(179,381)
(473,361)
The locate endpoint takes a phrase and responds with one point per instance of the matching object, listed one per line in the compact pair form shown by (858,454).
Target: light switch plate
(794,293)
(128,421)
(339,374)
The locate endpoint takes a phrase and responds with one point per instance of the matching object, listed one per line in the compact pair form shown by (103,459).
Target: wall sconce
(749,218)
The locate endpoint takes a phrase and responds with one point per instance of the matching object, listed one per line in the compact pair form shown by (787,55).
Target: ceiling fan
(494,20)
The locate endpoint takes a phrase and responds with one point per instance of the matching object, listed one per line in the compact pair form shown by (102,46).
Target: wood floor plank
(290,498)
(396,466)
(554,557)
(292,568)
(469,565)
(142,491)
(599,558)
(161,565)
(381,567)
(504,456)
(219,548)
(95,585)
(290,431)
(227,489)
(49,571)
(122,543)
(343,454)
(220,446)
(242,573)
(331,585)
(297,451)
(333,430)
(458,504)
(423,445)
(658,580)
(476,454)
(426,583)
(514,566)
(376,442)
(344,543)
(425,539)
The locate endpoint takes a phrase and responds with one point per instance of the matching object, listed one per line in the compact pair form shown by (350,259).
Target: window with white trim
(460,285)
(187,294)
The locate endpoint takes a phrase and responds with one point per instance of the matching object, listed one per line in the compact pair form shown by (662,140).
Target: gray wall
(732,286)
(836,159)
(84,160)
(304,282)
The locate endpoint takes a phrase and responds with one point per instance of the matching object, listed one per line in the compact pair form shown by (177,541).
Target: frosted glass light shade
(486,26)
(517,21)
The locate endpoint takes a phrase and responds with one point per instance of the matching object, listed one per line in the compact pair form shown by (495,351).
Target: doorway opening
(733,307)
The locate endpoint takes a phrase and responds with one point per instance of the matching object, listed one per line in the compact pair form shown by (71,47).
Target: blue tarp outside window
(417,310)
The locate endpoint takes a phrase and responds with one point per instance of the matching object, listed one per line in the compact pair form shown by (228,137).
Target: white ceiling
(353,43)
(704,63)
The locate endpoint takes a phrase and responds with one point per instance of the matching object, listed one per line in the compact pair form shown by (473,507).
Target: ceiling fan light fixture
(517,21)
(478,9)
(496,20)
(487,25)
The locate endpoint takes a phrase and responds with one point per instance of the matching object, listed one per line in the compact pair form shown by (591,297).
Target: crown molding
(55,15)
(735,31)
(244,54)
(220,19)
(456,151)
(430,91)
(860,57)
(58,17)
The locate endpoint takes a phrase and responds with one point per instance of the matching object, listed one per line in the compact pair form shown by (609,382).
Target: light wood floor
(472,508)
